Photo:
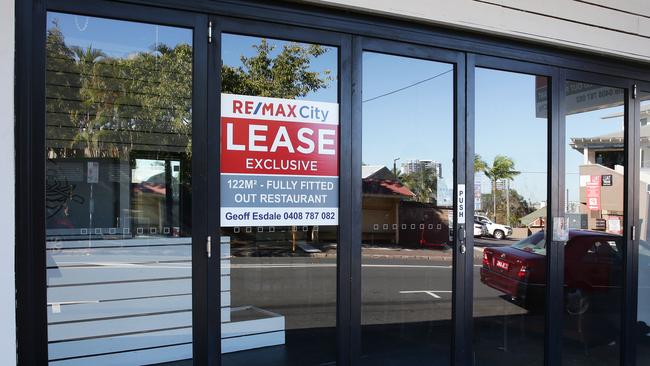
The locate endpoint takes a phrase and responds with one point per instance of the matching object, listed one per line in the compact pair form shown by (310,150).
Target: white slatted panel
(98,274)
(247,327)
(119,302)
(252,341)
(107,309)
(225,278)
(134,358)
(114,257)
(264,331)
(119,343)
(127,242)
(118,290)
(100,328)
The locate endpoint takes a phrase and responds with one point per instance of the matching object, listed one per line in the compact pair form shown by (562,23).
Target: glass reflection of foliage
(423,183)
(519,207)
(102,106)
(502,169)
(285,75)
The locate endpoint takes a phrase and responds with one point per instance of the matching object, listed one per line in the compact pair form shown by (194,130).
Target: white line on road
(329,265)
(283,265)
(428,292)
(402,266)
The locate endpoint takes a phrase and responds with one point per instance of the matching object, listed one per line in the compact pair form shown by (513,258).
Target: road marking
(330,265)
(432,293)
(403,266)
(286,265)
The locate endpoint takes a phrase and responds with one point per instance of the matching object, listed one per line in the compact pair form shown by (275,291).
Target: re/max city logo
(278,109)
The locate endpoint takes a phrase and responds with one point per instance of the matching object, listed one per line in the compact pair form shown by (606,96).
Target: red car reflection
(592,268)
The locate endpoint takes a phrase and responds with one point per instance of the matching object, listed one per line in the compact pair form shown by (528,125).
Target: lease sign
(279,162)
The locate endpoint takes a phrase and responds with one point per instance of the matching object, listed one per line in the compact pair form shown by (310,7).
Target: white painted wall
(613,27)
(7,216)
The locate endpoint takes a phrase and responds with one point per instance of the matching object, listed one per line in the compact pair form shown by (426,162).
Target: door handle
(461,239)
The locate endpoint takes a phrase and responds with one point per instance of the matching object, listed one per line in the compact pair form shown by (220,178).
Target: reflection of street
(406,305)
(406,302)
(388,275)
(392,280)
(491,242)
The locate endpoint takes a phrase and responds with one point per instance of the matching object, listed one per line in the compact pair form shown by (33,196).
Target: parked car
(495,230)
(480,229)
(592,270)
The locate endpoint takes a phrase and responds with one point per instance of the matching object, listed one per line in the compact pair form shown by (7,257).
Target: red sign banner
(592,192)
(278,136)
(254,146)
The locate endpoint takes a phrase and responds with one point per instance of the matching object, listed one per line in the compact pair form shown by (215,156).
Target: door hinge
(634,92)
(208,246)
(210,32)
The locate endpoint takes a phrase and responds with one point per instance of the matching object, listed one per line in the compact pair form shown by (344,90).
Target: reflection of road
(395,289)
(406,302)
(406,306)
(491,242)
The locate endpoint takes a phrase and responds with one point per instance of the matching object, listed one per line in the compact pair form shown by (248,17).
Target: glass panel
(510,196)
(279,202)
(643,308)
(118,191)
(407,180)
(593,254)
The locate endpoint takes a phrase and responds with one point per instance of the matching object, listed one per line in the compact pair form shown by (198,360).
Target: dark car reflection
(592,271)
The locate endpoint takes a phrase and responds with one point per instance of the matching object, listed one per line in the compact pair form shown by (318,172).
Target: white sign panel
(460,204)
(279,162)
(92,175)
(560,229)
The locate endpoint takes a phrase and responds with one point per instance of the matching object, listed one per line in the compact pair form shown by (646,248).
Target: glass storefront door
(279,208)
(595,247)
(407,209)
(118,205)
(510,208)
